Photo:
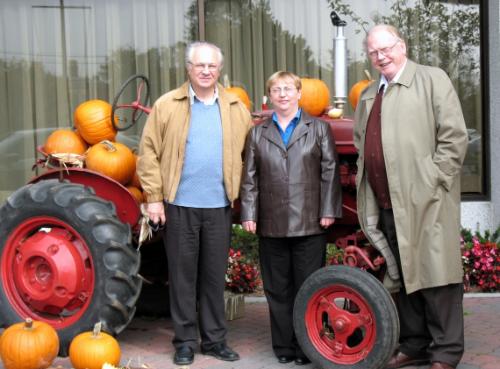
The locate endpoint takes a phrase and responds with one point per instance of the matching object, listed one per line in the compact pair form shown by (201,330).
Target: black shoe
(302,361)
(184,355)
(283,359)
(222,352)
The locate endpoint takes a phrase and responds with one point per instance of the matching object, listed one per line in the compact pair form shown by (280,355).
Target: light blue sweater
(202,181)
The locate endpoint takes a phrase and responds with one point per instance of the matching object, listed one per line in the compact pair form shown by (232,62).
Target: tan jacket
(163,142)
(425,140)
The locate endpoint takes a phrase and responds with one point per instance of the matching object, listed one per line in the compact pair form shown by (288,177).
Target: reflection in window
(262,36)
(56,54)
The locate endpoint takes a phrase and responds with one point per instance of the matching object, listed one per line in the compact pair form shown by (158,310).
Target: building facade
(56,54)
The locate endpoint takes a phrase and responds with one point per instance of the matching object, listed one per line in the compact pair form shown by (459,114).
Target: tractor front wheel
(345,318)
(66,259)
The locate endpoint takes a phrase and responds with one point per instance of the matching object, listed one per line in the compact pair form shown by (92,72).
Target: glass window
(56,54)
(260,37)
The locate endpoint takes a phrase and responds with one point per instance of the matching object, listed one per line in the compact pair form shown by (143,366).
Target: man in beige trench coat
(411,138)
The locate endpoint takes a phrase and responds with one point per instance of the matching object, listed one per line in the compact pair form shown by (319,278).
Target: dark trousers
(285,265)
(197,243)
(431,319)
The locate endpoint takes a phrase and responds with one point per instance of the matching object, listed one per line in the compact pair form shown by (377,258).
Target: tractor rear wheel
(344,317)
(66,259)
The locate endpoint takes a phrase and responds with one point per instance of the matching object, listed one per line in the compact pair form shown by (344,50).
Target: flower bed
(242,275)
(481,260)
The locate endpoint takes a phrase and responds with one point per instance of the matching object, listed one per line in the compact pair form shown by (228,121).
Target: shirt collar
(383,80)
(294,120)
(192,96)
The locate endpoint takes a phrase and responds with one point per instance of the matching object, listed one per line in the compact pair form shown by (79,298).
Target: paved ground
(146,342)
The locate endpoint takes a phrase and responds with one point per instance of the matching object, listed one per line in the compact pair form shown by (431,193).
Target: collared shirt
(192,96)
(383,81)
(287,133)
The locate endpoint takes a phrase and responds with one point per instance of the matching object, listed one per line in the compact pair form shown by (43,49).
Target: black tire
(143,99)
(345,318)
(109,256)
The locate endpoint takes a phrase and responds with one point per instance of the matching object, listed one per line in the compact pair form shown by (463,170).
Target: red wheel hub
(47,271)
(340,324)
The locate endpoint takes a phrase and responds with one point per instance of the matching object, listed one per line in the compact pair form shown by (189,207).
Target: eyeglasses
(286,90)
(383,51)
(201,66)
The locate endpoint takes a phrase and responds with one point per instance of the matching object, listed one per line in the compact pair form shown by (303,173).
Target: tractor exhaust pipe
(340,61)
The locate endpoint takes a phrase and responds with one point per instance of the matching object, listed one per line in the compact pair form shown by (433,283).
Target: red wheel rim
(47,271)
(340,324)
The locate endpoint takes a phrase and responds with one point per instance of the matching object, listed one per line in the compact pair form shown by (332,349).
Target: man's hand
(249,226)
(326,222)
(156,212)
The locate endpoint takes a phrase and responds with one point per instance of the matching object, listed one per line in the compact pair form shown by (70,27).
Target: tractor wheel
(67,260)
(345,318)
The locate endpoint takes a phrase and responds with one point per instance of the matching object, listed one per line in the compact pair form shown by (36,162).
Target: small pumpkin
(237,91)
(29,345)
(93,121)
(65,141)
(90,350)
(113,159)
(137,193)
(315,96)
(357,89)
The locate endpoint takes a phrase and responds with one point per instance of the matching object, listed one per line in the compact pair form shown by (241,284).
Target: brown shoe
(438,365)
(400,360)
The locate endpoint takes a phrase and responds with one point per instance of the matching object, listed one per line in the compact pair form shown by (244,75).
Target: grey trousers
(197,244)
(431,319)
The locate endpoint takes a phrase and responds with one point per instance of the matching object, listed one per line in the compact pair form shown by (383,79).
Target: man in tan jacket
(190,163)
(411,138)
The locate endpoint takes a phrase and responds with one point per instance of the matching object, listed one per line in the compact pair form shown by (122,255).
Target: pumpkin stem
(97,329)
(226,82)
(368,75)
(28,323)
(109,145)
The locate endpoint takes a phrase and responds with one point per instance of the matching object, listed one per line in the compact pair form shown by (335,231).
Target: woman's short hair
(283,75)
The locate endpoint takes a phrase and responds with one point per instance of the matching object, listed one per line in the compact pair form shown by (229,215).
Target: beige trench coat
(425,140)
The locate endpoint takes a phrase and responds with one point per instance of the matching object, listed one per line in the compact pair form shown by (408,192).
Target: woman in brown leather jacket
(290,195)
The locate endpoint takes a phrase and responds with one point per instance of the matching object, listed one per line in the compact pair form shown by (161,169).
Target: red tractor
(68,257)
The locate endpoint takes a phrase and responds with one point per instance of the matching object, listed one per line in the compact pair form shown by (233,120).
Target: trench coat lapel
(271,133)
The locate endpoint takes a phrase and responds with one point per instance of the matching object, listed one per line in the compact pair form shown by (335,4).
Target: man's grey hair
(386,27)
(190,49)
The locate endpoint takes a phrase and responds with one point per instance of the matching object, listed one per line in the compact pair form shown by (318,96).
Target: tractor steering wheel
(125,115)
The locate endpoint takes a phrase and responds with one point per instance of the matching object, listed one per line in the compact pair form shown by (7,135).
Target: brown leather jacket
(286,190)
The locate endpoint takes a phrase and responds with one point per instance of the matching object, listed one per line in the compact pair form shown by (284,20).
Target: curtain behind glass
(260,37)
(55,55)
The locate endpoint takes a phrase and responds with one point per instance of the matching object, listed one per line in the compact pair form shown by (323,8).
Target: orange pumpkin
(93,121)
(113,159)
(29,345)
(315,96)
(90,350)
(135,181)
(237,91)
(137,193)
(358,88)
(65,141)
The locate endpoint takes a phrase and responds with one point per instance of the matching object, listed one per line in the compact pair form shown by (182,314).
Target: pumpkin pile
(94,139)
